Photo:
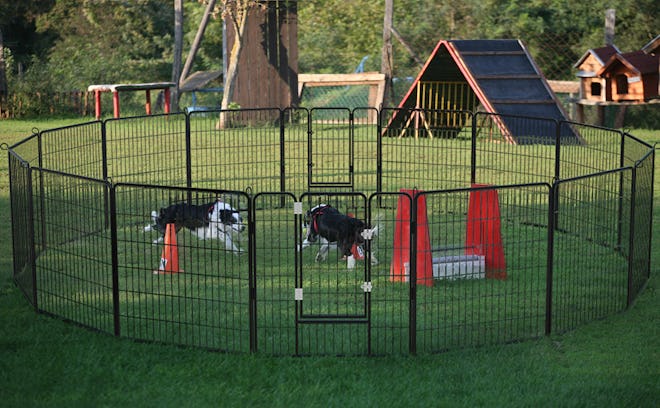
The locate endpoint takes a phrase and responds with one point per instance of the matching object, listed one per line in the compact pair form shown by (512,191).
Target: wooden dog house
(631,77)
(592,86)
(653,48)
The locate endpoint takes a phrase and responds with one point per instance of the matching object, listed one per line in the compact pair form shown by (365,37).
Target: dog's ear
(225,216)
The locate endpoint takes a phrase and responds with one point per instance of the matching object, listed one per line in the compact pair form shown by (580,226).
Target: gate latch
(366,286)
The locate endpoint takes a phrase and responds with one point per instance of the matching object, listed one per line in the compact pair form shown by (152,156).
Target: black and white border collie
(331,228)
(215,220)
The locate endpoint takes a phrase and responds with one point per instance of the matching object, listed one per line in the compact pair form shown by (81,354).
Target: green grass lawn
(47,362)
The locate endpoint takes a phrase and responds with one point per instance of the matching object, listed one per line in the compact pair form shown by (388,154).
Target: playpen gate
(333,295)
(330,148)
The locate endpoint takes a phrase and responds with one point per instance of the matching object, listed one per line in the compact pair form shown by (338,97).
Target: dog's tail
(377,226)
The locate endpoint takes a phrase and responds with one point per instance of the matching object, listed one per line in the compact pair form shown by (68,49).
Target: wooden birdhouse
(593,87)
(631,77)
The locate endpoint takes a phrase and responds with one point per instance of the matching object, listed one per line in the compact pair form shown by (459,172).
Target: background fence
(563,229)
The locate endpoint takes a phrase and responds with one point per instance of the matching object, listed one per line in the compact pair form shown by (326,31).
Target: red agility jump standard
(483,234)
(400,268)
(116,88)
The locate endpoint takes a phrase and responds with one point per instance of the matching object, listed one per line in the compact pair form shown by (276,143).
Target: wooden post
(579,112)
(3,76)
(610,19)
(166,93)
(147,103)
(115,103)
(386,54)
(97,104)
(197,41)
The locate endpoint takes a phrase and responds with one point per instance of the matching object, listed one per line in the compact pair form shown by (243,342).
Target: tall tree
(18,23)
(105,41)
(234,13)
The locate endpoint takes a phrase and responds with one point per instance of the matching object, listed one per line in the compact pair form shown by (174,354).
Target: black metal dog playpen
(484,228)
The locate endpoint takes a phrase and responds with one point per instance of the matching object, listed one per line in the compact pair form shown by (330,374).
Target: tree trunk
(178,52)
(3,74)
(239,22)
(197,41)
(386,54)
(408,47)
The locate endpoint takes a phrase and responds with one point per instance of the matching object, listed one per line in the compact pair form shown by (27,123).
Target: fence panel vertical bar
(115,261)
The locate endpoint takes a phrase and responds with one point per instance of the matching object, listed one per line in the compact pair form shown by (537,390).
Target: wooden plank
(565,86)
(198,80)
(524,101)
(362,78)
(354,79)
(491,53)
(129,87)
(507,76)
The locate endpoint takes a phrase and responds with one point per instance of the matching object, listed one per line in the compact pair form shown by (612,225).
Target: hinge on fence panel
(298,294)
(366,286)
(297,208)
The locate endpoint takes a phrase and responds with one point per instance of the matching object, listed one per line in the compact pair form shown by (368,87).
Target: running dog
(331,228)
(215,220)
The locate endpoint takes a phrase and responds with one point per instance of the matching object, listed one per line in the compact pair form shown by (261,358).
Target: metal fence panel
(277,235)
(205,303)
(147,149)
(84,141)
(415,155)
(489,266)
(22,226)
(296,153)
(390,293)
(245,155)
(500,158)
(73,249)
(641,225)
(590,269)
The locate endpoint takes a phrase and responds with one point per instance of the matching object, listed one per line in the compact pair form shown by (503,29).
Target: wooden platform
(116,88)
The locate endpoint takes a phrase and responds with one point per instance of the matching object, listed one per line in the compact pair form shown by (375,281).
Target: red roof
(602,54)
(636,61)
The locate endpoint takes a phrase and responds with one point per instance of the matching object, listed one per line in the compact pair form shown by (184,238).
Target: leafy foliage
(68,44)
(99,42)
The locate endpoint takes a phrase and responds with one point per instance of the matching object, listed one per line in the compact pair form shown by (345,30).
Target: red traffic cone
(169,259)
